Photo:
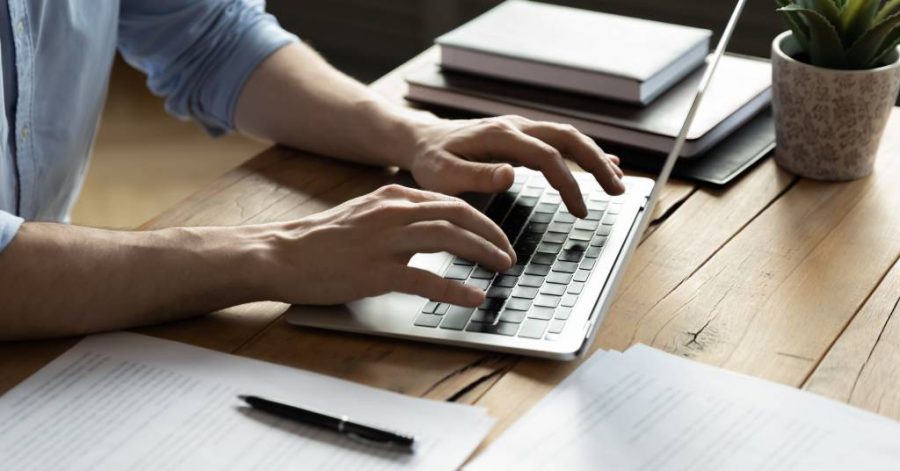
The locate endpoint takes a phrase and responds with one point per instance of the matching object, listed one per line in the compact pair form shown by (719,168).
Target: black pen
(342,425)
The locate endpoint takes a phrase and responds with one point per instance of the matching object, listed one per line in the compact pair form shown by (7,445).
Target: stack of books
(626,82)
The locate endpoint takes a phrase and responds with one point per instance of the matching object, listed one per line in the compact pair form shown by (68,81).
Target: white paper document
(126,401)
(648,410)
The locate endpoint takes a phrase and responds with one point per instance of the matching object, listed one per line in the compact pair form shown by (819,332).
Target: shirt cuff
(257,44)
(9,227)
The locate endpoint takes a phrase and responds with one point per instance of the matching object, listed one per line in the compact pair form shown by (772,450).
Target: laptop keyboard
(556,253)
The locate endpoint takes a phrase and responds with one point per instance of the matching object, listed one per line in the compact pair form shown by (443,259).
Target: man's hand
(453,157)
(362,248)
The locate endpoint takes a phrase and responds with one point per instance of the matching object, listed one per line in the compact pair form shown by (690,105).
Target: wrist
(403,132)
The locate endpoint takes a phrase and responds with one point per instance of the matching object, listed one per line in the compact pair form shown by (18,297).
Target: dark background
(367,38)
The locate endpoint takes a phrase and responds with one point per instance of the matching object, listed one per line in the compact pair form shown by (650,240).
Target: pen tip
(243,398)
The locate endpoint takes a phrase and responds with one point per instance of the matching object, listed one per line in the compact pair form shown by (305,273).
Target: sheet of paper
(647,410)
(125,401)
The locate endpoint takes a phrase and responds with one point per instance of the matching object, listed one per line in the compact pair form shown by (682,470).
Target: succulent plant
(844,34)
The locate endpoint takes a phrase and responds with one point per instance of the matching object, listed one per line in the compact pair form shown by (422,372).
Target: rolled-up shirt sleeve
(9,227)
(199,53)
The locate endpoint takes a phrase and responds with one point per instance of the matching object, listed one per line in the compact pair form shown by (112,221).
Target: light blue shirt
(196,53)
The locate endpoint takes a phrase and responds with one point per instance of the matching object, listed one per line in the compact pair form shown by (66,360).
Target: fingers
(443,236)
(459,176)
(461,214)
(516,146)
(583,151)
(428,285)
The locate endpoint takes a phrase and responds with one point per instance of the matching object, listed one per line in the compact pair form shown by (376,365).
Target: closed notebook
(610,56)
(739,91)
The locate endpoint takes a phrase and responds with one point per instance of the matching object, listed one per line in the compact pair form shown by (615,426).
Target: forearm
(59,280)
(297,99)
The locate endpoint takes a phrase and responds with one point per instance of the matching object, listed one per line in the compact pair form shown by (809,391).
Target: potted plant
(836,76)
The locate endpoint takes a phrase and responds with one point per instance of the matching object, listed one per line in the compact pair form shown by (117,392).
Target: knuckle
(497,126)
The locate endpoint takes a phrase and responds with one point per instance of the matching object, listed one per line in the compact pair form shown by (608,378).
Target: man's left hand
(457,156)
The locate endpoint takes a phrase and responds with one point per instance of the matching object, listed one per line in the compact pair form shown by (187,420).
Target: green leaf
(827,8)
(857,18)
(865,51)
(797,25)
(890,7)
(890,44)
(825,47)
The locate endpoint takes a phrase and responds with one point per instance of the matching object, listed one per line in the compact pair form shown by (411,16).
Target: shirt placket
(18,16)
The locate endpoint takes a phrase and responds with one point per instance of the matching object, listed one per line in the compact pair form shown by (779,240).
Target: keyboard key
(538,270)
(479,283)
(593,252)
(597,205)
(525,292)
(560,227)
(571,256)
(501,328)
(540,312)
(582,275)
(428,320)
(527,201)
(458,272)
(544,300)
(551,197)
(565,218)
(482,315)
(565,267)
(556,326)
(554,289)
(559,278)
(518,304)
(569,300)
(552,337)
(580,235)
(492,304)
(610,219)
(505,281)
(614,208)
(531,281)
(497,292)
(515,270)
(598,241)
(482,273)
(543,259)
(594,215)
(563,313)
(576,245)
(533,329)
(463,262)
(536,227)
(512,316)
(533,191)
(604,230)
(549,248)
(588,263)
(442,309)
(500,205)
(546,208)
(430,307)
(541,218)
(555,237)
(576,288)
(587,225)
(456,318)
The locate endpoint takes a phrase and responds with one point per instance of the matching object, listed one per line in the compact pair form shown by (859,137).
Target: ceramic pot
(829,122)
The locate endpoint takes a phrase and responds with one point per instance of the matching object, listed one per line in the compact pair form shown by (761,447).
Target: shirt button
(25,132)
(20,26)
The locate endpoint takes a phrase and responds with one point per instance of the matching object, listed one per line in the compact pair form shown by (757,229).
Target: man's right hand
(362,248)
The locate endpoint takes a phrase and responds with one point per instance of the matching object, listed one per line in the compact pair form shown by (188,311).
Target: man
(228,65)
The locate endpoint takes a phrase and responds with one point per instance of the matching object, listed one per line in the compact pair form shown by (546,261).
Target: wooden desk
(790,280)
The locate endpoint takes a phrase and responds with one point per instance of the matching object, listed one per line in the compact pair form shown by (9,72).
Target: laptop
(552,302)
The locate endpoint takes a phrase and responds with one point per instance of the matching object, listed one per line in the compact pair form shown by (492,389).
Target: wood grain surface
(790,280)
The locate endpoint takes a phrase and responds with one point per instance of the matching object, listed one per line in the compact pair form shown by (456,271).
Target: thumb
(460,176)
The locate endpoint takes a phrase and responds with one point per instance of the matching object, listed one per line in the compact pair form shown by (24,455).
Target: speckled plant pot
(829,122)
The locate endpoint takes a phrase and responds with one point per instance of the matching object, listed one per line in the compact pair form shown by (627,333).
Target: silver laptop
(551,303)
